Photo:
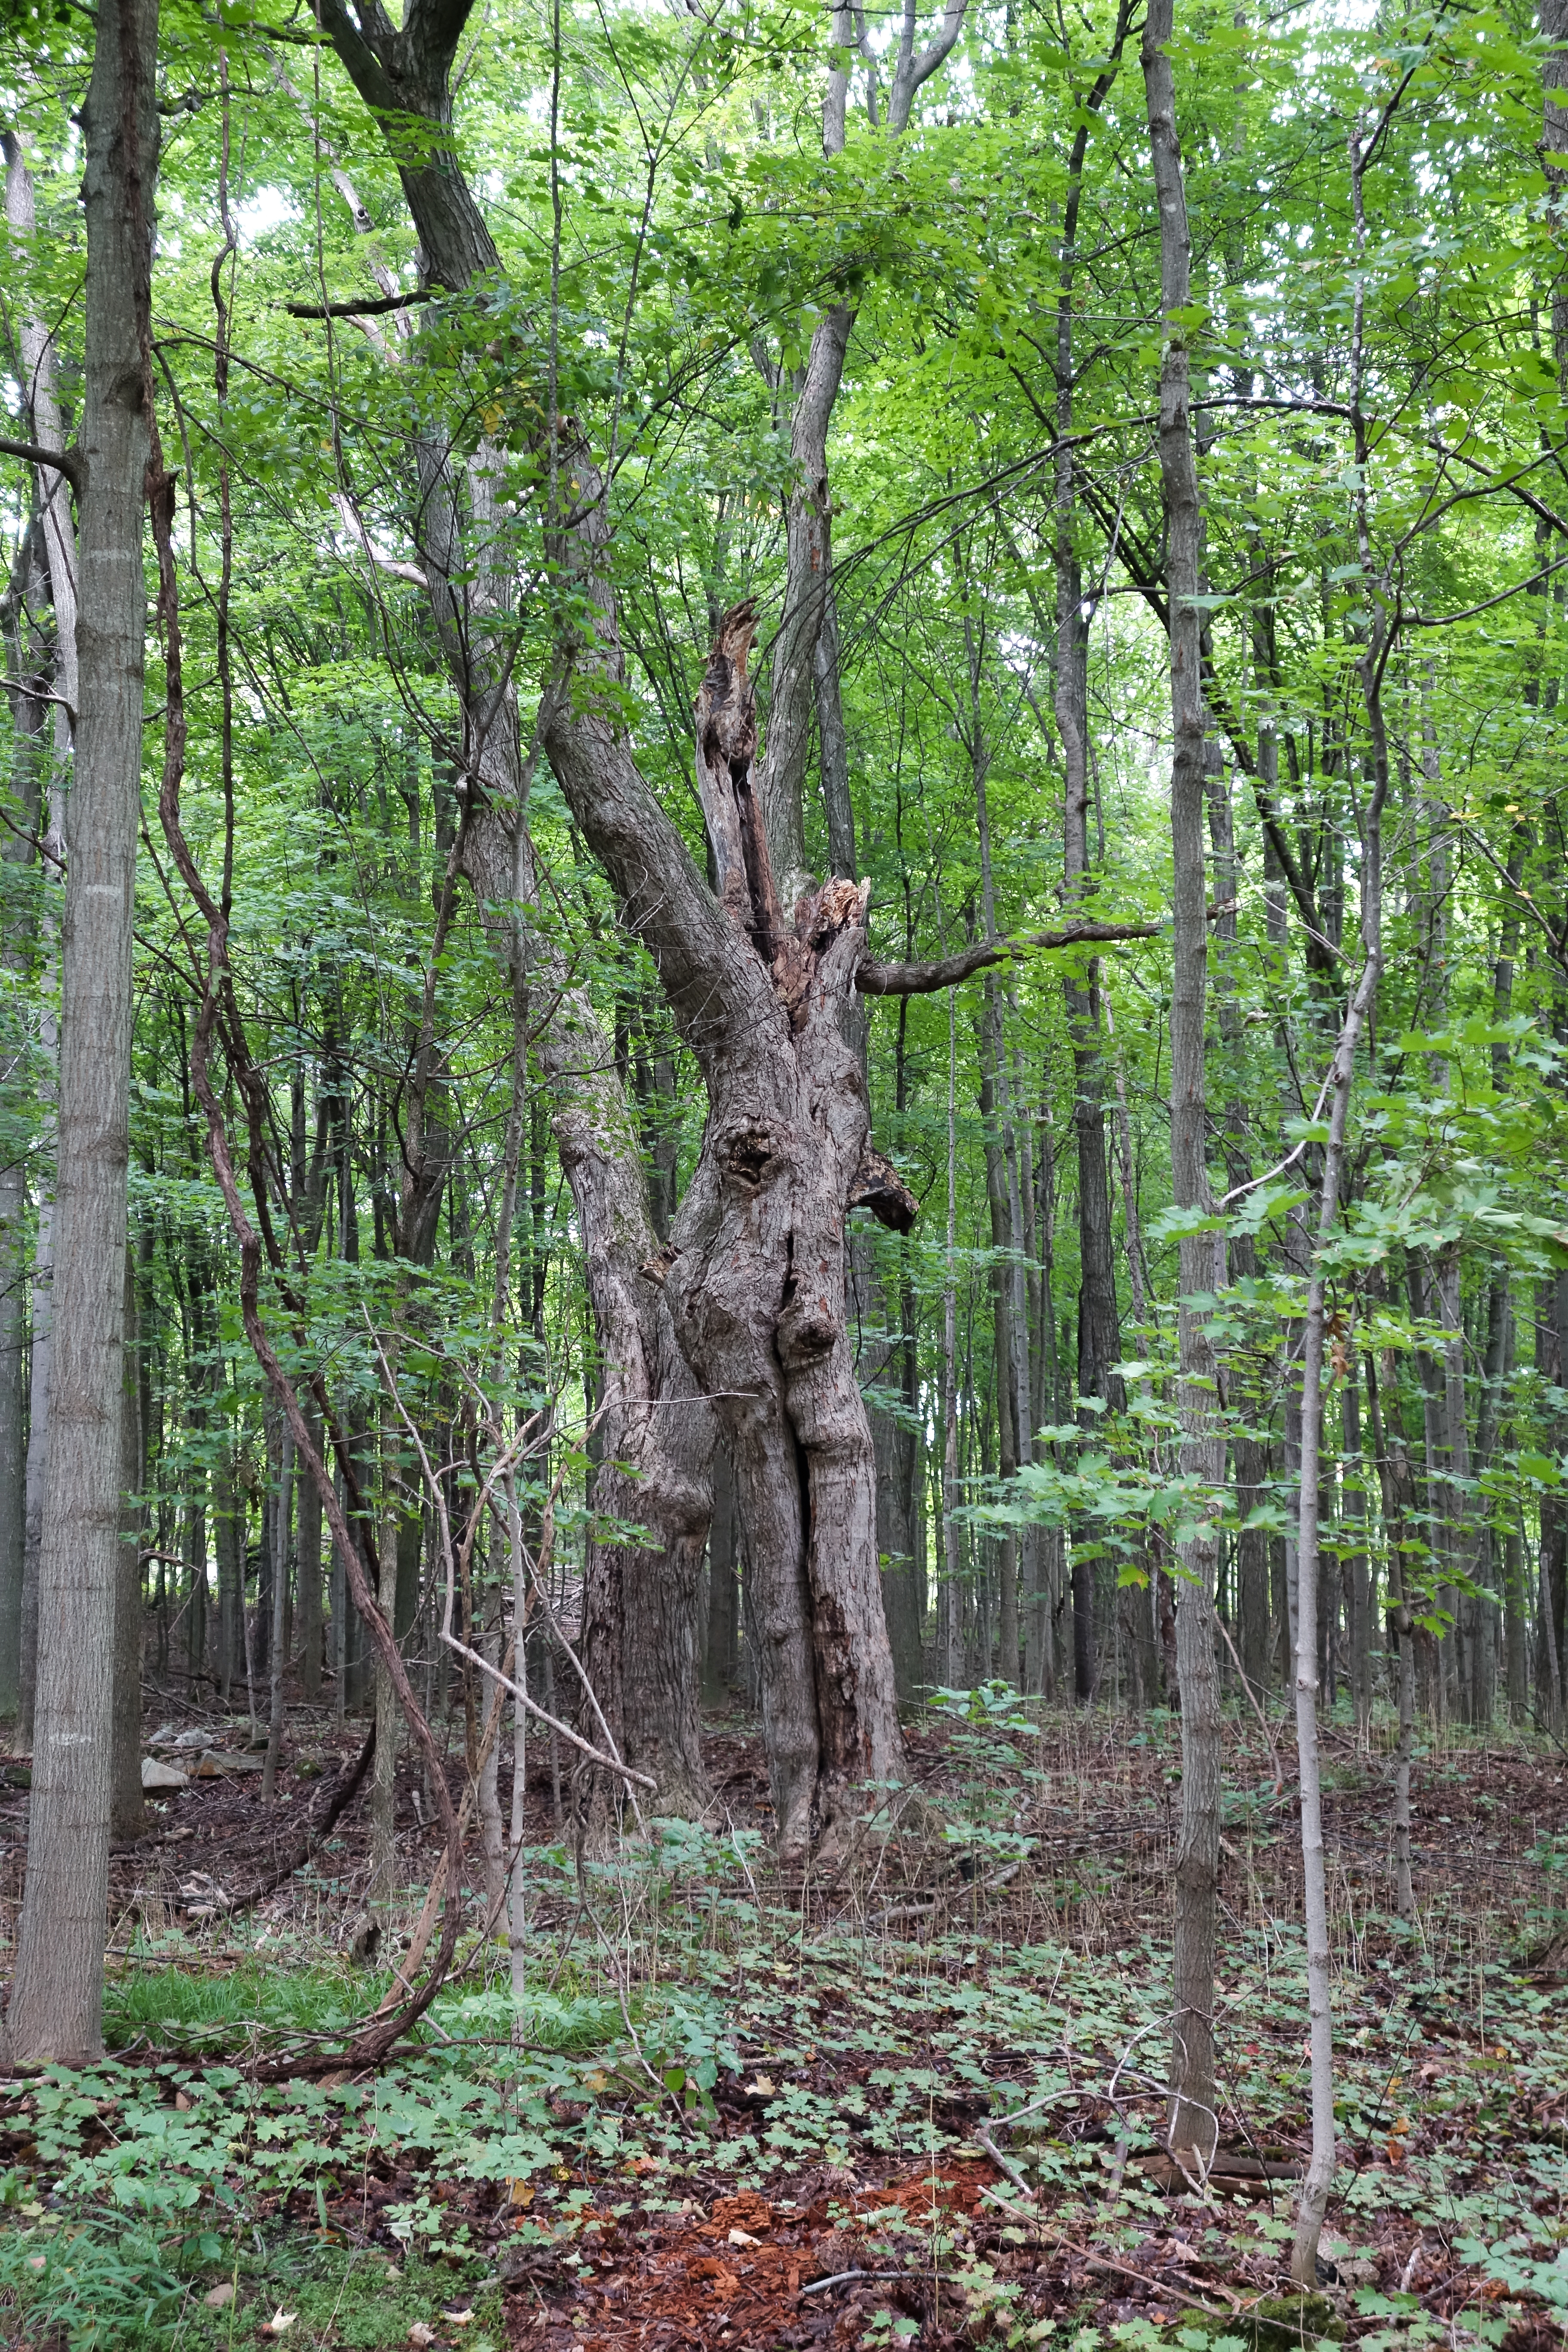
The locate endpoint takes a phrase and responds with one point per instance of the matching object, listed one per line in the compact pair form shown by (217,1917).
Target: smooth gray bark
(1194,2123)
(1358,1582)
(1397,1485)
(1320,2171)
(805,669)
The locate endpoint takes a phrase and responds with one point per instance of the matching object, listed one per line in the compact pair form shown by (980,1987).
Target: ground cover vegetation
(783,1300)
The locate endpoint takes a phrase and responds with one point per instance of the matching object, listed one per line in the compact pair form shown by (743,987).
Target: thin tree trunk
(492,1842)
(128,1817)
(1516,1628)
(1358,1583)
(949,1606)
(56,1993)
(1015,1422)
(228,1537)
(517,1883)
(1398,1484)
(1193,2124)
(1003,1304)
(307,1578)
(805,651)
(27,658)
(1459,1640)
(57,546)
(388,1715)
(277,1647)
(1098,1323)
(1321,2165)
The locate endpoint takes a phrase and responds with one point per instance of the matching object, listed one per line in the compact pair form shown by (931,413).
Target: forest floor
(917,2101)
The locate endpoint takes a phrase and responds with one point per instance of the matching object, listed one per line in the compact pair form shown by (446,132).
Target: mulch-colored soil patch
(749,2277)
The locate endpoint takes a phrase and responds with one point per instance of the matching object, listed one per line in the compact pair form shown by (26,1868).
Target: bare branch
(64,461)
(369,306)
(875,979)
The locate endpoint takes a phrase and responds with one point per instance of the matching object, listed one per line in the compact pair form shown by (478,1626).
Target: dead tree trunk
(640,1616)
(755,1278)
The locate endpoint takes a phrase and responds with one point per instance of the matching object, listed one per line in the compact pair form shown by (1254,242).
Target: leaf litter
(920,2105)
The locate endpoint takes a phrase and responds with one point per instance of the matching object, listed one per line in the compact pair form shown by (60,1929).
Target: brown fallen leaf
(217,2296)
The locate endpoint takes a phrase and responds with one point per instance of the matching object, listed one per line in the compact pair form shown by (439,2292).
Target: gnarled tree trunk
(654,1436)
(756,1264)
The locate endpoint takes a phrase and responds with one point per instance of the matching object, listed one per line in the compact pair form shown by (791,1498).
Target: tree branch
(875,979)
(372,306)
(64,461)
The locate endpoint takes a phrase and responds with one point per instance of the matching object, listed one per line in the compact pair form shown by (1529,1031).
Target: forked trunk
(654,1437)
(755,1284)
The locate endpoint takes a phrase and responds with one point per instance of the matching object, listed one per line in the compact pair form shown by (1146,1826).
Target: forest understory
(784,912)
(917,2100)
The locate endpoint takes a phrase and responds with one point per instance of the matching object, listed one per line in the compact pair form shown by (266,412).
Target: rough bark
(127,1816)
(722,1650)
(654,1434)
(23,613)
(655,1437)
(56,2005)
(756,1275)
(1193,2120)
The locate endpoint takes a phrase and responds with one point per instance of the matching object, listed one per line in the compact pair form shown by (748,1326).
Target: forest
(784,1099)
